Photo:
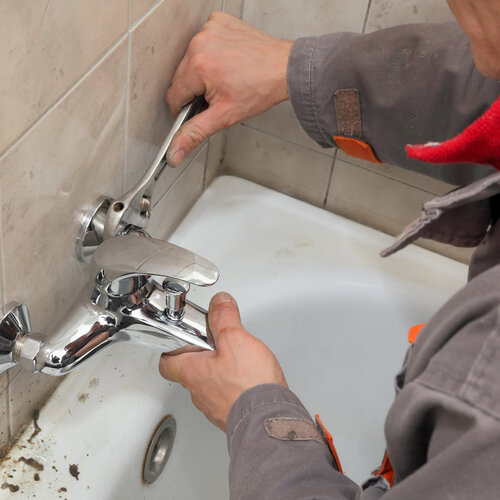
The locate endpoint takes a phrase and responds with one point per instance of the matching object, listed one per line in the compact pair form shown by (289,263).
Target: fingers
(193,133)
(184,88)
(188,80)
(171,367)
(223,315)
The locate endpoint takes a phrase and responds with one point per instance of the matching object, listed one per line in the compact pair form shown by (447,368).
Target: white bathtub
(311,285)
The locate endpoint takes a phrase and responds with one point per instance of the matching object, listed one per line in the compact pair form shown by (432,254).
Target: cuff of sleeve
(262,397)
(300,87)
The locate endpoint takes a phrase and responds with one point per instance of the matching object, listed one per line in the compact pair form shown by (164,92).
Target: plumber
(433,86)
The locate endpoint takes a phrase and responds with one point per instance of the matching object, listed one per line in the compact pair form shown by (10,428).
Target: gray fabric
(461,218)
(417,83)
(443,430)
(487,254)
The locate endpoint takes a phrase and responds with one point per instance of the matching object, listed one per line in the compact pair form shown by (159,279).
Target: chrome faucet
(136,294)
(137,287)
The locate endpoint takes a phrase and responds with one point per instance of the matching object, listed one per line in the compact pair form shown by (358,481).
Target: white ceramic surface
(312,286)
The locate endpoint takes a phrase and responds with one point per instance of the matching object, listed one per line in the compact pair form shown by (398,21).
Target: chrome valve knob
(175,298)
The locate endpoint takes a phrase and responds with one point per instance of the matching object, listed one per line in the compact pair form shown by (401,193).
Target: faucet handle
(18,344)
(131,255)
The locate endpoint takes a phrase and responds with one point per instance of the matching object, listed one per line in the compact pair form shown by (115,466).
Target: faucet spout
(90,329)
(136,294)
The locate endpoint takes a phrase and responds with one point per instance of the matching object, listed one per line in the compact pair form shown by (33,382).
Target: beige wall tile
(233,7)
(461,254)
(382,203)
(27,393)
(44,48)
(277,164)
(214,157)
(177,201)
(139,7)
(4,416)
(386,13)
(292,20)
(71,156)
(4,422)
(157,46)
(170,175)
(280,121)
(4,376)
(400,174)
(372,199)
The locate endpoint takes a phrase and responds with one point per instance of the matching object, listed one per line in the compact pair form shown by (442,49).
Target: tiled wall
(273,150)
(82,113)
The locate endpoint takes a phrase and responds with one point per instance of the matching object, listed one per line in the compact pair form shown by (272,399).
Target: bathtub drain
(159,449)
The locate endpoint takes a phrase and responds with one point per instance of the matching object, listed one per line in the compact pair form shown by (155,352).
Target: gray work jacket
(415,84)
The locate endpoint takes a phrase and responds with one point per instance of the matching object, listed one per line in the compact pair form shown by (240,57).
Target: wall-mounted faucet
(136,291)
(108,218)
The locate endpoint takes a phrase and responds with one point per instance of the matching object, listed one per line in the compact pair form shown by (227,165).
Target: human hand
(217,378)
(239,69)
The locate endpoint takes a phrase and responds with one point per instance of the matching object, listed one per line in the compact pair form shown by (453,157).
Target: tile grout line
(65,94)
(205,171)
(204,148)
(8,409)
(390,177)
(6,392)
(223,152)
(330,177)
(242,9)
(205,168)
(141,18)
(2,272)
(286,140)
(365,22)
(79,80)
(126,118)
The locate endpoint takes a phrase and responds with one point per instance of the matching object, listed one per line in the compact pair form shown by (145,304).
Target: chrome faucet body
(135,294)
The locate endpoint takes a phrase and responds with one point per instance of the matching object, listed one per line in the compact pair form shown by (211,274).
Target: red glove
(478,143)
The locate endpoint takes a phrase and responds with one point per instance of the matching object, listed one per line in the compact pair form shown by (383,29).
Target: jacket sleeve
(277,453)
(416,84)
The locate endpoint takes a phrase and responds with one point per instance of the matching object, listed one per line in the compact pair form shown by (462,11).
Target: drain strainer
(159,449)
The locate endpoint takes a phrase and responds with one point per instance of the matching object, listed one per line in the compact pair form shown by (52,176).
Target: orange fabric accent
(357,148)
(386,470)
(328,437)
(414,331)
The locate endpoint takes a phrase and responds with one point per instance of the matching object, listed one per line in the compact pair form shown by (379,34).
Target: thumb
(173,368)
(193,133)
(223,315)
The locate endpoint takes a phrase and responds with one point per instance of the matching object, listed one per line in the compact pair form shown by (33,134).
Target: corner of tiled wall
(83,111)
(273,150)
(4,405)
(233,7)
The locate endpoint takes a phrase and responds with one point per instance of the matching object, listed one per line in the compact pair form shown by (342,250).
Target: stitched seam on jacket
(464,240)
(311,95)
(430,386)
(260,405)
(460,195)
(472,387)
